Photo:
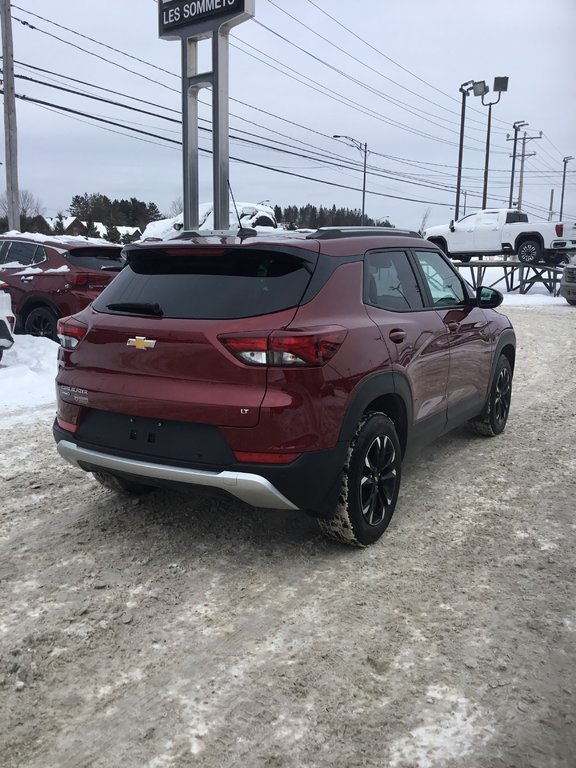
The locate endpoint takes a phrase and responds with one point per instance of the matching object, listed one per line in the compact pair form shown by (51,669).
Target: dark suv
(291,372)
(51,277)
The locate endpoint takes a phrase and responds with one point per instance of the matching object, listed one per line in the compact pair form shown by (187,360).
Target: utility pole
(523,157)
(516,126)
(566,160)
(465,89)
(10,133)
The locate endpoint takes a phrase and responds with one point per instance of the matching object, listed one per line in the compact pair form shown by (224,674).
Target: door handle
(452,326)
(397,335)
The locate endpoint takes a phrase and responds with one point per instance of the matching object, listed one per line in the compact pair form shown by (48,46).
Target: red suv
(51,277)
(291,372)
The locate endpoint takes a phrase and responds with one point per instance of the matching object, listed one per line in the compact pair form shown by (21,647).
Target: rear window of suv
(217,284)
(94,258)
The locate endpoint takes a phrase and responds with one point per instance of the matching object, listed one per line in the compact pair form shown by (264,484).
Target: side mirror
(488,298)
(451,226)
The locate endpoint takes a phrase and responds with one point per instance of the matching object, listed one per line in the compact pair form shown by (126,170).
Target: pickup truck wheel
(572,302)
(530,252)
(120,485)
(370,484)
(499,403)
(464,259)
(42,322)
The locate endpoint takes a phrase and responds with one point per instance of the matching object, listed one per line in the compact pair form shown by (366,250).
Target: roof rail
(330,233)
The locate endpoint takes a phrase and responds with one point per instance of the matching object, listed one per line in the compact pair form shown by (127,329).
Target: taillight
(71,332)
(559,230)
(302,347)
(78,278)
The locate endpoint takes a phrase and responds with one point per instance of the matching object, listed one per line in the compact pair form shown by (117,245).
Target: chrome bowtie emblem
(141,342)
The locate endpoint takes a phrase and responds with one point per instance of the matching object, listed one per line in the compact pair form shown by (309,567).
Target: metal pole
(565,161)
(486,161)
(464,92)
(465,193)
(551,211)
(364,183)
(521,185)
(516,129)
(220,127)
(10,127)
(190,189)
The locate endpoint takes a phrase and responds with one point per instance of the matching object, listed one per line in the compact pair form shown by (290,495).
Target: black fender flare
(506,339)
(35,301)
(370,389)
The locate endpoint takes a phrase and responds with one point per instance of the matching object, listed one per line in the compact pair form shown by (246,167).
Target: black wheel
(463,258)
(370,484)
(42,322)
(572,302)
(530,252)
(494,422)
(122,486)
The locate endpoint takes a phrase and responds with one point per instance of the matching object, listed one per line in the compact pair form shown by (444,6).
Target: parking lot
(187,631)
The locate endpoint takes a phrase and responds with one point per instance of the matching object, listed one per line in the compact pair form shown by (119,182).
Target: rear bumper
(311,483)
(248,487)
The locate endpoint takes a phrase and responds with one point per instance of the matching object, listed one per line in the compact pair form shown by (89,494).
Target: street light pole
(517,125)
(481,89)
(363,147)
(465,89)
(565,161)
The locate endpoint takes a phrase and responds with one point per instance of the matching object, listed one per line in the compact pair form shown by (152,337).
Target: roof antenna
(235,206)
(242,231)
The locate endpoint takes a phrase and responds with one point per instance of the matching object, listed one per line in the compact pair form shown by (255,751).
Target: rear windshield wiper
(139,308)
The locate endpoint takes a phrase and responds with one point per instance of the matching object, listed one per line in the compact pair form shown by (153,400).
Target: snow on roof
(248,212)
(63,239)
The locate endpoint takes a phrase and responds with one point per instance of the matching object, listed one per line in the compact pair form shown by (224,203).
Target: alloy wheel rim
(41,327)
(378,481)
(502,395)
(529,252)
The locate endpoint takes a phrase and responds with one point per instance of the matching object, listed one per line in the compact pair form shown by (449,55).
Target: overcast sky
(400,67)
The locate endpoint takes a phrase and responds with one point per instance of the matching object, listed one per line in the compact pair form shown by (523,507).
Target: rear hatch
(93,267)
(153,347)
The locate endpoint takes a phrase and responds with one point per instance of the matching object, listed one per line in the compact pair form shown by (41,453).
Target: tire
(121,486)
(1,353)
(494,422)
(42,322)
(370,484)
(530,252)
(572,303)
(464,259)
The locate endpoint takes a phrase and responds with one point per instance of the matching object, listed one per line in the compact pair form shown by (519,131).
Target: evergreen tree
(126,238)
(58,227)
(91,230)
(112,234)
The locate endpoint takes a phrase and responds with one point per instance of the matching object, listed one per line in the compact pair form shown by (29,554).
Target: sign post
(192,21)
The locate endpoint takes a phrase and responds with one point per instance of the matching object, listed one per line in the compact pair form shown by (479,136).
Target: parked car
(505,231)
(568,282)
(7,320)
(51,277)
(292,372)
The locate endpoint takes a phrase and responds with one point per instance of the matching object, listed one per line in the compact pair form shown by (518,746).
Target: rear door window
(210,283)
(94,258)
(20,254)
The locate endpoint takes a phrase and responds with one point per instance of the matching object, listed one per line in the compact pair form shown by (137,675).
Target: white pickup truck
(505,231)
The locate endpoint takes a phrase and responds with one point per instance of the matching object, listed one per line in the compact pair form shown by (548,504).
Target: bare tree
(424,221)
(176,207)
(30,206)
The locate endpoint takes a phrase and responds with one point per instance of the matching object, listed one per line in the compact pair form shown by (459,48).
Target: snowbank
(27,374)
(251,215)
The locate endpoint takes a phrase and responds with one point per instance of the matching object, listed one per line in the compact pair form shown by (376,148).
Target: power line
(399,103)
(393,61)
